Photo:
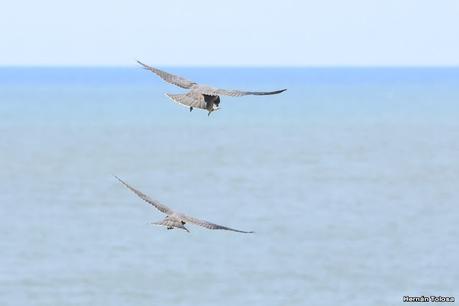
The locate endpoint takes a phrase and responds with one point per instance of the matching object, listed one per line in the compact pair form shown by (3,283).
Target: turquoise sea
(350,180)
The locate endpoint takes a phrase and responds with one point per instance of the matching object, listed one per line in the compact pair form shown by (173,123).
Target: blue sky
(230,33)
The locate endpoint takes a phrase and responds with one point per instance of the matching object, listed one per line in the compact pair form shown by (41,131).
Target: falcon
(199,95)
(175,219)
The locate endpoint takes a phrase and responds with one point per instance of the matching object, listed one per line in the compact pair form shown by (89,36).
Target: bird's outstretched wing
(210,225)
(162,208)
(190,99)
(233,93)
(169,77)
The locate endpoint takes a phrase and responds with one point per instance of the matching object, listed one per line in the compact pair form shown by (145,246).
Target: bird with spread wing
(201,96)
(174,219)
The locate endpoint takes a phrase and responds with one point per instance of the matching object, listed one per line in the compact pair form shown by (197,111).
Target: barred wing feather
(169,77)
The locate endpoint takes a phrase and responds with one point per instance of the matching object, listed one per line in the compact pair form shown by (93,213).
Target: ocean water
(350,180)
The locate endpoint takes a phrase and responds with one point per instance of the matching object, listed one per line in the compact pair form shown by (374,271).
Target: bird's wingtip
(142,64)
(120,180)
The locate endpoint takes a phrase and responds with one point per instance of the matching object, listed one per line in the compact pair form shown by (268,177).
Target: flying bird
(201,96)
(175,219)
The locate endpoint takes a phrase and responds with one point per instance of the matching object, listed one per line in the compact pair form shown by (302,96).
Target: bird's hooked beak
(214,109)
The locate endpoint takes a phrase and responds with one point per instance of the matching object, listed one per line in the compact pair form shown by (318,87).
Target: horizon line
(134,66)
